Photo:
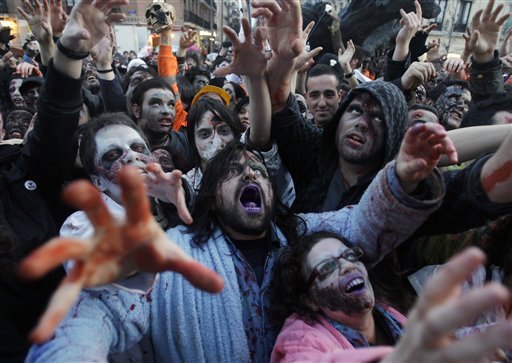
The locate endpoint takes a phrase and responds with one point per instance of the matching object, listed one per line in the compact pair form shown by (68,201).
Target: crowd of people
(274,201)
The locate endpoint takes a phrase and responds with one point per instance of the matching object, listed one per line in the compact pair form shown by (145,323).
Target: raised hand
(25,70)
(455,67)
(305,60)
(58,17)
(420,152)
(168,187)
(249,59)
(102,52)
(115,251)
(188,38)
(284,26)
(38,19)
(89,22)
(485,32)
(344,57)
(417,73)
(440,310)
(506,46)
(410,24)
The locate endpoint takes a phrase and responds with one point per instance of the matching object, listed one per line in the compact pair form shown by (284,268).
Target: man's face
(14,92)
(117,146)
(361,131)
(322,98)
(211,135)
(452,105)
(345,293)
(157,112)
(420,116)
(244,201)
(31,96)
(200,81)
(17,123)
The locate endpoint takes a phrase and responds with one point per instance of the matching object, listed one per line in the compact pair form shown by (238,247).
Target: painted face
(502,118)
(200,81)
(117,146)
(31,96)
(422,116)
(158,111)
(14,92)
(243,115)
(164,158)
(421,94)
(135,79)
(211,135)
(452,105)
(322,98)
(345,293)
(17,123)
(228,87)
(245,200)
(361,131)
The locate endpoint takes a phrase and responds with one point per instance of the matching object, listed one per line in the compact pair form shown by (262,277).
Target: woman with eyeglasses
(323,291)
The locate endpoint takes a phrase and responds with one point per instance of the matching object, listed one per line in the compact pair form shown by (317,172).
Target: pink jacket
(321,342)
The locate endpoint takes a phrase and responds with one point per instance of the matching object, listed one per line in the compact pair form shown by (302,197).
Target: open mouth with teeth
(356,284)
(354,138)
(250,199)
(165,121)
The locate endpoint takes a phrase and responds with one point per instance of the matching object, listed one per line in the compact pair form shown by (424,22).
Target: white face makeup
(211,135)
(117,146)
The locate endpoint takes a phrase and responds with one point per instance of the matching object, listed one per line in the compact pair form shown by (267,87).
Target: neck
(365,324)
(352,172)
(157,139)
(241,236)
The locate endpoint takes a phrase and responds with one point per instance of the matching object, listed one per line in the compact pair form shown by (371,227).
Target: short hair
(187,92)
(143,87)
(195,72)
(221,113)
(127,76)
(438,90)
(88,149)
(482,112)
(425,107)
(321,70)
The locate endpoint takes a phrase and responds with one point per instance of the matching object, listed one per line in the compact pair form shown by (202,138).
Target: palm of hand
(58,18)
(36,26)
(249,59)
(115,250)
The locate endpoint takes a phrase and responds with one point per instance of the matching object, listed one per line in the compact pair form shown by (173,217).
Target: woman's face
(14,92)
(211,135)
(243,115)
(343,293)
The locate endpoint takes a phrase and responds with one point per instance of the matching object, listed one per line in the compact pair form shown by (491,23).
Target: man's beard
(234,220)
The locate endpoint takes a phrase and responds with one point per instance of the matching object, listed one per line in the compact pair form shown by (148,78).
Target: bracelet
(104,70)
(71,53)
(349,75)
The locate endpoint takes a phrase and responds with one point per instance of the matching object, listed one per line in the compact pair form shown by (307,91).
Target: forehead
(160,93)
(366,100)
(17,115)
(324,249)
(322,82)
(425,115)
(113,136)
(456,90)
(208,120)
(16,82)
(140,74)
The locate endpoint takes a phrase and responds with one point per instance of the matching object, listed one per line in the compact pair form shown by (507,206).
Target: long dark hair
(204,215)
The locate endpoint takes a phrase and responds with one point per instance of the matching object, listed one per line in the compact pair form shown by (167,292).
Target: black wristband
(71,53)
(104,70)
(349,75)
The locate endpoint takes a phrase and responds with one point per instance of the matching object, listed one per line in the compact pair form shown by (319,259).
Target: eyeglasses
(326,267)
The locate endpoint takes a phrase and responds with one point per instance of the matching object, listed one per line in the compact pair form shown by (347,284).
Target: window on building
(70,4)
(461,21)
(3,7)
(439,20)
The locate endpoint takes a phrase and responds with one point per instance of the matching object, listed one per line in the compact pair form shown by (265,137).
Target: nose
(249,173)
(165,109)
(362,123)
(131,157)
(345,266)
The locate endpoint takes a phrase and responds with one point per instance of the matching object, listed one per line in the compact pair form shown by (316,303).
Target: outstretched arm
(115,251)
(440,310)
(496,175)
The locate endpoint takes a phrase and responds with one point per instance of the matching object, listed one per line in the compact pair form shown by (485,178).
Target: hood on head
(394,108)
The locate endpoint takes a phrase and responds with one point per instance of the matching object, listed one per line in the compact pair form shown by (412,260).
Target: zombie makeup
(344,293)
(211,135)
(164,158)
(17,123)
(117,146)
(452,105)
(420,116)
(157,112)
(244,200)
(243,115)
(14,92)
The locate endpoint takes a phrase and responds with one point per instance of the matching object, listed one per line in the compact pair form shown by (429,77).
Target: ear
(136,110)
(99,182)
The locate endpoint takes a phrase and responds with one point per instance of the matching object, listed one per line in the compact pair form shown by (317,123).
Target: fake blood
(498,176)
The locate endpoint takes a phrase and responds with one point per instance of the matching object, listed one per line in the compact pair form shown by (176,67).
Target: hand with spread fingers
(417,73)
(484,33)
(115,251)
(440,310)
(58,17)
(89,22)
(249,59)
(167,187)
(38,19)
(305,59)
(420,152)
(410,24)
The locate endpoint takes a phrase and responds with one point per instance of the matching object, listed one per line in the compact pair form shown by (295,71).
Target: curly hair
(290,284)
